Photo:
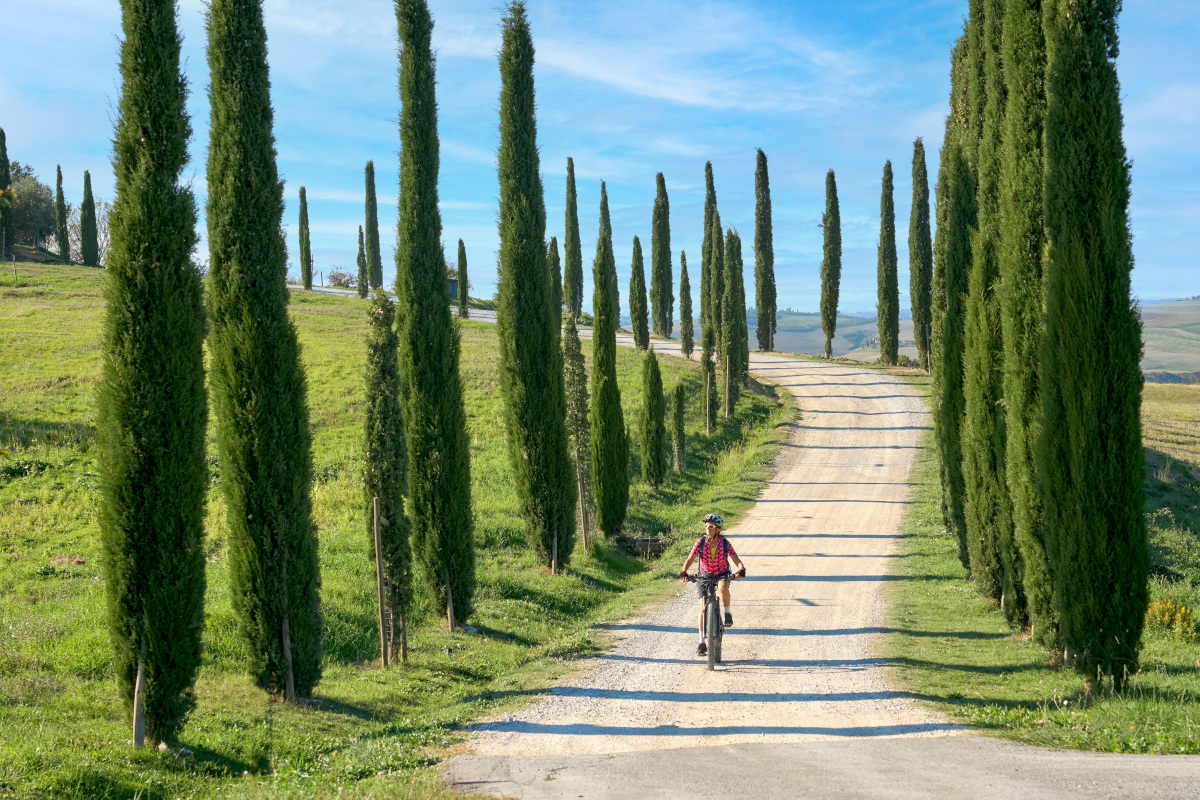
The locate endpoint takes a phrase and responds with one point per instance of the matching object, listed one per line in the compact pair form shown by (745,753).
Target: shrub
(342,280)
(1174,619)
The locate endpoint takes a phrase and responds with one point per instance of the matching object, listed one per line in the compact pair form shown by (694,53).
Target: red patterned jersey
(714,554)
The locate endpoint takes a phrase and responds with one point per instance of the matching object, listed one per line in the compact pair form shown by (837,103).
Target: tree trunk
(139,701)
(554,555)
(449,599)
(403,638)
(708,386)
(383,638)
(286,636)
(728,389)
(582,498)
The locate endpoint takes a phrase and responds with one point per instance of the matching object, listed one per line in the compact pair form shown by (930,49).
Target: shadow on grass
(18,432)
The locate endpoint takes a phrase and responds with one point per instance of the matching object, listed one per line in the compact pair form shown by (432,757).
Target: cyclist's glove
(683,574)
(741,573)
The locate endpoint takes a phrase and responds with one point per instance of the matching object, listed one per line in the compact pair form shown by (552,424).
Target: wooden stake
(554,555)
(403,638)
(289,683)
(139,701)
(449,600)
(582,498)
(383,643)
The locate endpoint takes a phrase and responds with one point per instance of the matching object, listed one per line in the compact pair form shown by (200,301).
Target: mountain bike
(714,625)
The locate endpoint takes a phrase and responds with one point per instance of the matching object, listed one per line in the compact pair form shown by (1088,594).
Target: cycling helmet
(716,519)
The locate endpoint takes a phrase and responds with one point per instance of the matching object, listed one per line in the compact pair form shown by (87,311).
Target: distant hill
(1171,333)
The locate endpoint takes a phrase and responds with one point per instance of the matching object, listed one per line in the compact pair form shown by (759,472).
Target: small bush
(343,280)
(1173,618)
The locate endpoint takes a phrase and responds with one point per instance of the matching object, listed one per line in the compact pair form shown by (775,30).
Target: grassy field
(368,732)
(952,648)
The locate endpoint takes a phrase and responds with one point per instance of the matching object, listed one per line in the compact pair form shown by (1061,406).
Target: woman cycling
(715,553)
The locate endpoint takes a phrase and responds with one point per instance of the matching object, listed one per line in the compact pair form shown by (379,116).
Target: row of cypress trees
(1035,337)
(89,243)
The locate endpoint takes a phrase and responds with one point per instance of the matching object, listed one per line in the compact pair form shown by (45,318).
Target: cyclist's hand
(741,573)
(683,576)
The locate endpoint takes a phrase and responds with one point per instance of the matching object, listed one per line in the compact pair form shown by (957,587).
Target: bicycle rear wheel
(711,627)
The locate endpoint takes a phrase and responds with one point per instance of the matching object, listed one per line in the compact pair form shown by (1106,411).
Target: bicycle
(714,625)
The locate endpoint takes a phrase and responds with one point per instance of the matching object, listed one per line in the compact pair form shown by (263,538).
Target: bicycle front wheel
(712,627)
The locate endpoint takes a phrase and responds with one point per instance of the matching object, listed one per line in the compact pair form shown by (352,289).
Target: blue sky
(628,89)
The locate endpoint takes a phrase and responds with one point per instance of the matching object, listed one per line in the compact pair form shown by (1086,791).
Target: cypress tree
(990,544)
(89,246)
(736,271)
(654,425)
(575,383)
(374,259)
(385,457)
(1090,458)
(152,405)
(572,249)
(637,299)
(831,262)
(363,276)
(731,327)
(710,207)
(889,290)
(305,243)
(7,230)
(60,222)
(711,389)
(662,292)
(531,376)
(464,300)
(610,446)
(686,323)
(258,383)
(435,421)
(716,285)
(554,264)
(764,257)
(920,255)
(678,434)
(1022,239)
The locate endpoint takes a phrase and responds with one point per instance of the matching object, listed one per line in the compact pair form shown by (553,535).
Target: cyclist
(715,553)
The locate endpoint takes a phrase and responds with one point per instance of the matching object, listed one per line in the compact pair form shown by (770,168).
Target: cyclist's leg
(725,598)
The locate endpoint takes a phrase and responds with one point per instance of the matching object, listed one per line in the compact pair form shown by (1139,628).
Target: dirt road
(800,707)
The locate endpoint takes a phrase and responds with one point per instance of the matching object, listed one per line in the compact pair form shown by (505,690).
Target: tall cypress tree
(710,207)
(1022,239)
(385,456)
(716,285)
(654,425)
(1090,457)
(363,275)
(7,230)
(610,446)
(258,382)
(464,284)
(89,245)
(711,390)
(152,405)
(889,290)
(736,288)
(990,543)
(831,262)
(305,243)
(686,323)
(572,249)
(920,255)
(637,298)
(435,421)
(554,264)
(764,257)
(531,377)
(662,292)
(731,349)
(374,259)
(61,238)
(575,383)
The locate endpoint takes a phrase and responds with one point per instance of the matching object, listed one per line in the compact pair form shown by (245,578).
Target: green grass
(952,648)
(371,732)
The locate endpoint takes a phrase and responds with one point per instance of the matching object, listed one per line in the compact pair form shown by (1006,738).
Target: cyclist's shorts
(703,577)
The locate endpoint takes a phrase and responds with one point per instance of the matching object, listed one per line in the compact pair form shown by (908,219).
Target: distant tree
(364,277)
(920,255)
(89,243)
(889,291)
(1090,458)
(531,375)
(7,231)
(637,299)
(385,459)
(572,248)
(654,426)
(764,257)
(554,264)
(686,323)
(306,272)
(151,405)
(610,445)
(374,258)
(710,207)
(31,211)
(435,421)
(662,292)
(831,262)
(61,238)
(678,435)
(464,284)
(1022,242)
(258,383)
(575,382)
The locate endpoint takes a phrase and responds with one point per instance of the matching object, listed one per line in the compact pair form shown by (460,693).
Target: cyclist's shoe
(728,620)
(702,649)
